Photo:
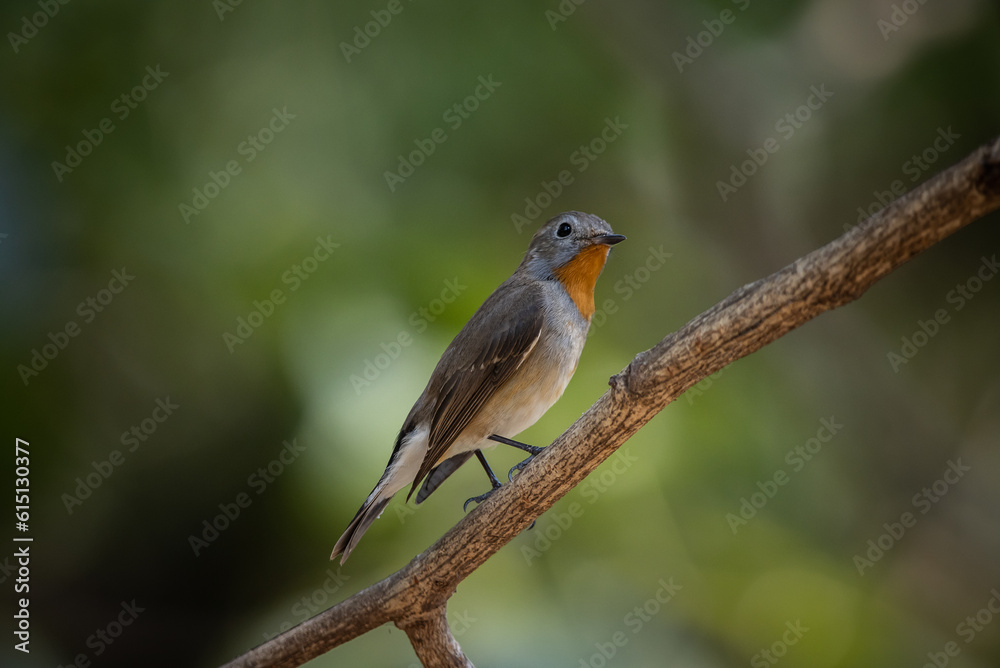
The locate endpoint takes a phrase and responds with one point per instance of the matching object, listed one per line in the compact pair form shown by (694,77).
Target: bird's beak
(608,239)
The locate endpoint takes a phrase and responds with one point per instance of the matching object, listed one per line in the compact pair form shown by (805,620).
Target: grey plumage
(503,370)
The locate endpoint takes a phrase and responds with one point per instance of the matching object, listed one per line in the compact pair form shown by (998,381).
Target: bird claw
(483,497)
(518,467)
(478,499)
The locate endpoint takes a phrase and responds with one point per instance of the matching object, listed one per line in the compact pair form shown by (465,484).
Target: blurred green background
(307,129)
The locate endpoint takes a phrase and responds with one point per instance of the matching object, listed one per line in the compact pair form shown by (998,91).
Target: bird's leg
(493,481)
(532,450)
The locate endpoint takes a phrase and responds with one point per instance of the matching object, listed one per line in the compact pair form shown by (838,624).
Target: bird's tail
(403,465)
(370,510)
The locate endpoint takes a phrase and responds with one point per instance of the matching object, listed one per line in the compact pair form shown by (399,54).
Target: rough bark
(414,597)
(432,640)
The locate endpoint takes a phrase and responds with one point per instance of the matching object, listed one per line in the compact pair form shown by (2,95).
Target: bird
(504,369)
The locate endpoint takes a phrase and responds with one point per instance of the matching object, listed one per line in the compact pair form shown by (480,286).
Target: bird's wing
(472,374)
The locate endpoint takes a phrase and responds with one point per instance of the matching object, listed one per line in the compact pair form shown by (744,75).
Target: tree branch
(432,640)
(414,597)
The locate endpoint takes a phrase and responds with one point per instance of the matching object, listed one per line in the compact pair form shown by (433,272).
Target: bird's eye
(564,230)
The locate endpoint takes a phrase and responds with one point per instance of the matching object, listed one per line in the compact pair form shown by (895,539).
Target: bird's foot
(532,450)
(518,467)
(478,499)
(482,497)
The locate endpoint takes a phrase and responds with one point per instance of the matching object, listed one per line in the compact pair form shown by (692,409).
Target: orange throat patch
(579,276)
